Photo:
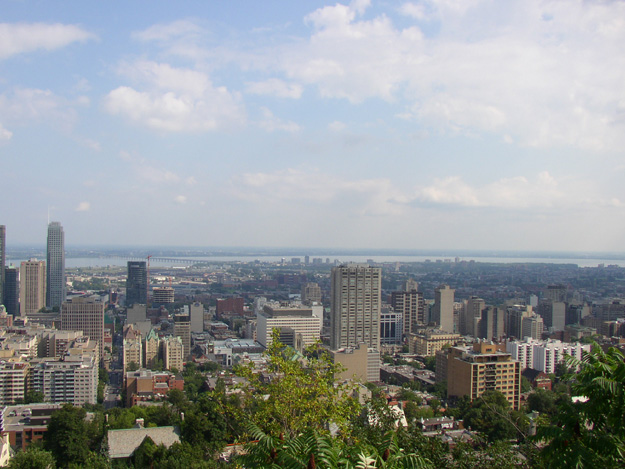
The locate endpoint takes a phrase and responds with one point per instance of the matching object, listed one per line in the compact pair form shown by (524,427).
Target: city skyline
(415,125)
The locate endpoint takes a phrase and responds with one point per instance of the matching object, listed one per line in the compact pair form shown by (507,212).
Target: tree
(132,366)
(300,393)
(33,397)
(490,414)
(590,432)
(67,437)
(542,401)
(33,458)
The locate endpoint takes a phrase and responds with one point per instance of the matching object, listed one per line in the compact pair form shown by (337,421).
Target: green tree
(490,414)
(33,397)
(300,393)
(67,437)
(33,458)
(591,431)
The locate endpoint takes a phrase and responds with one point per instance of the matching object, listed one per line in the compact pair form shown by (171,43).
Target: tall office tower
(555,292)
(182,329)
(137,283)
(491,324)
(471,316)
(355,306)
(12,290)
(32,286)
(196,311)
(3,234)
(87,315)
(55,286)
(311,293)
(410,303)
(553,314)
(444,308)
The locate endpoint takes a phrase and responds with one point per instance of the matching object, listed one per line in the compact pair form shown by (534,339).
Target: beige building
(444,308)
(411,304)
(13,379)
(151,347)
(431,341)
(360,363)
(311,293)
(32,286)
(133,347)
(182,329)
(85,314)
(473,370)
(173,353)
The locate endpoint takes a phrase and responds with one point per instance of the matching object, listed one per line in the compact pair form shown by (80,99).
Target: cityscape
(476,357)
(324,234)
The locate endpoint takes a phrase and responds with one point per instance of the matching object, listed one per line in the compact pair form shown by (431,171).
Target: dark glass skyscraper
(3,234)
(55,266)
(11,290)
(137,283)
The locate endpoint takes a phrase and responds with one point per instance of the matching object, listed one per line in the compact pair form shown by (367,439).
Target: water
(76,262)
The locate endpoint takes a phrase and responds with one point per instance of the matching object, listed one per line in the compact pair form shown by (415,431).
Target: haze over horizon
(425,125)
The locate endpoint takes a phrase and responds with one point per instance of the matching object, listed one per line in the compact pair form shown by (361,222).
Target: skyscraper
(33,286)
(12,290)
(444,307)
(55,286)
(3,233)
(87,315)
(355,310)
(137,283)
(411,304)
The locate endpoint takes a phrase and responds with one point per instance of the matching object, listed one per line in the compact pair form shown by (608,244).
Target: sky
(435,124)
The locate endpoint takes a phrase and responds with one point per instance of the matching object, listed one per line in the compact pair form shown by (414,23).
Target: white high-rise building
(355,306)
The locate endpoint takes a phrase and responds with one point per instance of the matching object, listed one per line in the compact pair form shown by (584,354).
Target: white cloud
(180,199)
(539,73)
(271,123)
(373,197)
(275,87)
(336,126)
(174,99)
(5,134)
(83,207)
(17,38)
(516,193)
(147,171)
(25,105)
(168,31)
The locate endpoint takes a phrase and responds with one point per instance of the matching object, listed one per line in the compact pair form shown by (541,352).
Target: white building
(74,379)
(543,355)
(296,318)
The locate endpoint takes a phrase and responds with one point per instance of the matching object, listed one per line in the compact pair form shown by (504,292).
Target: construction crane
(147,294)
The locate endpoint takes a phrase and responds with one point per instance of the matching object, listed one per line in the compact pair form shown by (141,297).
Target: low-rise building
(431,341)
(471,371)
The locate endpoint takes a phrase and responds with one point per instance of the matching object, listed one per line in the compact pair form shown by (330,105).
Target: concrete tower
(33,286)
(355,309)
(444,307)
(55,286)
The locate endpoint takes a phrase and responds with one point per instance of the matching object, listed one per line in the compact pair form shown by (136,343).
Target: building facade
(85,314)
(444,308)
(471,371)
(355,306)
(137,283)
(55,274)
(12,290)
(411,304)
(32,286)
(298,320)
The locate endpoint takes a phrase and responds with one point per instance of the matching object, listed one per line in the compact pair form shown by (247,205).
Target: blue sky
(460,124)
